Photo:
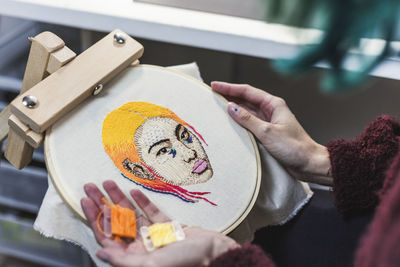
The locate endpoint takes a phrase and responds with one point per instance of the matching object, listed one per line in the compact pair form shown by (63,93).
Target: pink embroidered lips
(200,166)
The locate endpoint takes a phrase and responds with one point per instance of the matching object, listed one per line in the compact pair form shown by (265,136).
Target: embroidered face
(173,152)
(156,149)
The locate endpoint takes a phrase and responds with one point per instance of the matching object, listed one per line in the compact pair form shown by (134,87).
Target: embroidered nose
(185,153)
(191,155)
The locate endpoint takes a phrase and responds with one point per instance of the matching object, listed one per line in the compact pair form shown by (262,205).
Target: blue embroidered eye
(186,137)
(173,152)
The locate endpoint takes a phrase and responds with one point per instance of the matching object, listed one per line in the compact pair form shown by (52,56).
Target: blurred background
(228,39)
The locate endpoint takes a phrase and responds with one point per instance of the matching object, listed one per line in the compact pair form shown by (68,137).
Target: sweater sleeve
(359,166)
(246,255)
(380,245)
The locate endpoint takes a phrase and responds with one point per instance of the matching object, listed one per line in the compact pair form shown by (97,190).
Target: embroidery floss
(161,234)
(118,221)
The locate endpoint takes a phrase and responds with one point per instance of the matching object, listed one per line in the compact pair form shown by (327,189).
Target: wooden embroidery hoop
(29,129)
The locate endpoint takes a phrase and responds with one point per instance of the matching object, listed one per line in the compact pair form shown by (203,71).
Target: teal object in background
(344,23)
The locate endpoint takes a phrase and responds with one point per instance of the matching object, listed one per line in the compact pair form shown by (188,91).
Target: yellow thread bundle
(162,234)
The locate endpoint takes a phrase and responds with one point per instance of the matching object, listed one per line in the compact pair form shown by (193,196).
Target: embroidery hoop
(59,179)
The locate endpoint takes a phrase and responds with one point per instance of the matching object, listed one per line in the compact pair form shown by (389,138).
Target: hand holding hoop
(271,121)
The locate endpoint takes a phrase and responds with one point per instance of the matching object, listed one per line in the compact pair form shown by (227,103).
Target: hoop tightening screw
(97,89)
(119,38)
(29,101)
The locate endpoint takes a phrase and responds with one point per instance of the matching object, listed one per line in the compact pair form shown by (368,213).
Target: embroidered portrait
(156,149)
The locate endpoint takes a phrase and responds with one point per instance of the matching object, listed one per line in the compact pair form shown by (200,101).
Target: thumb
(247,120)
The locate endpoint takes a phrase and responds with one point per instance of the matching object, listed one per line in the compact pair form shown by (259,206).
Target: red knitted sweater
(366,174)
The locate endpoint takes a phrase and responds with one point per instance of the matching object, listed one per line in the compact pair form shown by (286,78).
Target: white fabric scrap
(279,200)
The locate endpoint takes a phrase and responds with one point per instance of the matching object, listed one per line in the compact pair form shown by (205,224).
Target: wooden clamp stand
(55,82)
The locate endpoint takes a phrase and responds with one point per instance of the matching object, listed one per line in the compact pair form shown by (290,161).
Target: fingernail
(86,188)
(103,256)
(233,108)
(83,200)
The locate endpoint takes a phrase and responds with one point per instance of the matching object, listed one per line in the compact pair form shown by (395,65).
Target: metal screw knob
(29,101)
(97,89)
(119,38)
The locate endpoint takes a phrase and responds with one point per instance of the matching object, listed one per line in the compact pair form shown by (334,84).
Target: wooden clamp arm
(21,143)
(29,136)
(66,87)
(42,45)
(45,43)
(70,85)
(56,60)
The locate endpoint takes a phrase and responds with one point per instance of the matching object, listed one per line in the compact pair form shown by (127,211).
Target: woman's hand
(271,121)
(198,249)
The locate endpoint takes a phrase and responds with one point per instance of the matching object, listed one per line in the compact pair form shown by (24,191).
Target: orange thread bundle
(123,221)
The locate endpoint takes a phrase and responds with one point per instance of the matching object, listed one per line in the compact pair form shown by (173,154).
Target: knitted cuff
(246,255)
(358,166)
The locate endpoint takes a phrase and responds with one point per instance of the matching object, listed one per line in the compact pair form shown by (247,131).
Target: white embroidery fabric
(230,150)
(279,199)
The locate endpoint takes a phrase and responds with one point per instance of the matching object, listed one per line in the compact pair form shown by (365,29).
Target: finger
(243,102)
(247,120)
(251,108)
(242,91)
(151,211)
(118,257)
(93,192)
(141,220)
(106,255)
(91,210)
(116,195)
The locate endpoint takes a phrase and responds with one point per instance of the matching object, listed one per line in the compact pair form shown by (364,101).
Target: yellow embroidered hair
(119,128)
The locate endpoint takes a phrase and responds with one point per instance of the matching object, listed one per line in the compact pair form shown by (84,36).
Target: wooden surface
(64,89)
